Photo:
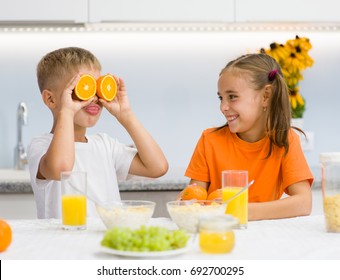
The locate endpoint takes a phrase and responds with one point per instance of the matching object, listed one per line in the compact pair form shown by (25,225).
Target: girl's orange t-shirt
(219,150)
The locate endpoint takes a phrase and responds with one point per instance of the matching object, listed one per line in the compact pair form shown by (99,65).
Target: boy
(67,147)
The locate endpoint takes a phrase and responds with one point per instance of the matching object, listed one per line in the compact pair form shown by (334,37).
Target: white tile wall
(171,81)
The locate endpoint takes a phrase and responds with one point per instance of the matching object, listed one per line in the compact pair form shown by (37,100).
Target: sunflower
(300,43)
(297,104)
(293,58)
(298,54)
(296,99)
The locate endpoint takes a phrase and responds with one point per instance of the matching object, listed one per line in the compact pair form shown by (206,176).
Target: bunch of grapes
(145,239)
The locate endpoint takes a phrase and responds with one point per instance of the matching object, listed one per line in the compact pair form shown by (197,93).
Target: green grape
(145,239)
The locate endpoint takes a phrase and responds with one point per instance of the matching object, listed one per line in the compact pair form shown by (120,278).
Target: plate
(146,254)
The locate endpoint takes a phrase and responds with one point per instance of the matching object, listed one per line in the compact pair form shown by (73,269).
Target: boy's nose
(95,99)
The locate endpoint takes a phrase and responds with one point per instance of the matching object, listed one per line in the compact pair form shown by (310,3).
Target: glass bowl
(187,213)
(126,213)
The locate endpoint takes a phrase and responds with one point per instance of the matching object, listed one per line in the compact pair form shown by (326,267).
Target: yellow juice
(238,207)
(73,210)
(216,242)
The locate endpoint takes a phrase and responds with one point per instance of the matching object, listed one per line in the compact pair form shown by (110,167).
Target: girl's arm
(199,183)
(298,203)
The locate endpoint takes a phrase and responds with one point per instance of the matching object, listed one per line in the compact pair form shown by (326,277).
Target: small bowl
(126,213)
(187,213)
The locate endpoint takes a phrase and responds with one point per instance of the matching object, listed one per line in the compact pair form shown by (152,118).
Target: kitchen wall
(171,80)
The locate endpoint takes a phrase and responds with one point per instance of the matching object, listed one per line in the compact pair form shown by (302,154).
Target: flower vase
(297,122)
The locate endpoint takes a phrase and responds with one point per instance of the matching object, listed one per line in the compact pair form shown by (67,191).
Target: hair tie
(272,74)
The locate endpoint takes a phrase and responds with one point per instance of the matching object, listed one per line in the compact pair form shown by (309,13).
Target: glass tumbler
(232,182)
(73,200)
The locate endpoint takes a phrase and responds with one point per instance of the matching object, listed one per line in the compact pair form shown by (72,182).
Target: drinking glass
(73,200)
(232,182)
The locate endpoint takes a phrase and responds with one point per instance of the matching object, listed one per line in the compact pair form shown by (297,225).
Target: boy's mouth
(92,109)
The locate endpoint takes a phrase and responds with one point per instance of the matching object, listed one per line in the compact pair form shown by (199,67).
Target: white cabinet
(228,11)
(44,10)
(288,10)
(164,11)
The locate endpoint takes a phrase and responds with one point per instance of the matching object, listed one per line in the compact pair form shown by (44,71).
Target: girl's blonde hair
(260,70)
(60,65)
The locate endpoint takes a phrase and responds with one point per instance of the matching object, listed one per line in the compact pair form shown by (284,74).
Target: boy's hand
(120,105)
(67,102)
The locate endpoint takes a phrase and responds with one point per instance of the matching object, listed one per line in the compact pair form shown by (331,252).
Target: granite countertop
(18,181)
(14,181)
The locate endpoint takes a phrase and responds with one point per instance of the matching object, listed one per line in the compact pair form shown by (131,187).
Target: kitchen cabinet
(17,206)
(75,11)
(289,10)
(164,11)
(228,11)
(22,206)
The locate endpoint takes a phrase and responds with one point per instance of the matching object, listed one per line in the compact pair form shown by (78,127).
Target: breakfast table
(301,238)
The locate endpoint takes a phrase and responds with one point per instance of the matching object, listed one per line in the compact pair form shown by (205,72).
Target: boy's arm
(298,203)
(149,160)
(60,154)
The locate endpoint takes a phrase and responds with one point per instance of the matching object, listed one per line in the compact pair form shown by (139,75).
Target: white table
(285,239)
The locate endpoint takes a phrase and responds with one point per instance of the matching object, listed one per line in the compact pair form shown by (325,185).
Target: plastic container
(216,235)
(330,176)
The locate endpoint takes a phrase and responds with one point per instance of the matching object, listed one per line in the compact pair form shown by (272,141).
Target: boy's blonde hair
(60,65)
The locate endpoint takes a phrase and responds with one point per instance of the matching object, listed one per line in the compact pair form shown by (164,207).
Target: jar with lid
(330,176)
(216,235)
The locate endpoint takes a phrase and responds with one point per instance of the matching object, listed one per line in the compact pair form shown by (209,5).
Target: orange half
(86,87)
(107,87)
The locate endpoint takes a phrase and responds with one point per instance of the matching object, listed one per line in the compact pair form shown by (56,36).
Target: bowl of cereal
(187,213)
(126,213)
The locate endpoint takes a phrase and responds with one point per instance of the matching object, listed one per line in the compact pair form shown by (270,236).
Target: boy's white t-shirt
(105,160)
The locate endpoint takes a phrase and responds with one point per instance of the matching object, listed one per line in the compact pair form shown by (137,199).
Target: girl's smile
(231,118)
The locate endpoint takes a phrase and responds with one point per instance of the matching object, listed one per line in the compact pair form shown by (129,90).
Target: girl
(257,137)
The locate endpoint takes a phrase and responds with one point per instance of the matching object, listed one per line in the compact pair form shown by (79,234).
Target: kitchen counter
(14,181)
(131,185)
(18,181)
(17,199)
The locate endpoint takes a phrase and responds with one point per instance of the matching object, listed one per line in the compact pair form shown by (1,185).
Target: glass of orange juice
(232,182)
(73,200)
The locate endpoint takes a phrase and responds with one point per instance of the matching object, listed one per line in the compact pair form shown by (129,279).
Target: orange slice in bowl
(107,87)
(86,87)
